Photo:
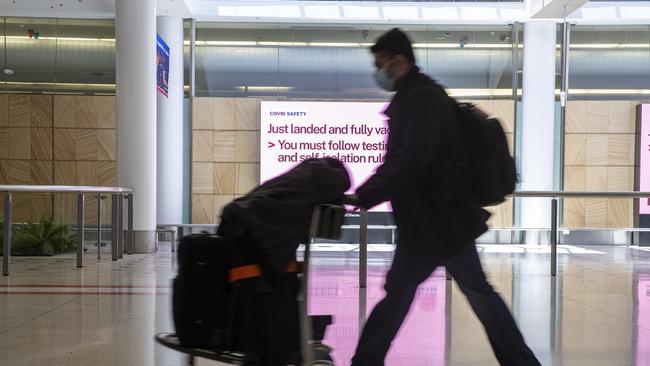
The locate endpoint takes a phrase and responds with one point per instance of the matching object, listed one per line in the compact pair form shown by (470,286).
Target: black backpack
(490,169)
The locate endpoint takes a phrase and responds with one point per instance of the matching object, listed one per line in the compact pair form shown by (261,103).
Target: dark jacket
(276,216)
(433,210)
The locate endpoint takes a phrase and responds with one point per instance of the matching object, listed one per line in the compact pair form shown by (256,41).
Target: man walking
(437,218)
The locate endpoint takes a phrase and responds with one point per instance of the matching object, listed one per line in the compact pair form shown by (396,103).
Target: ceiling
(93,9)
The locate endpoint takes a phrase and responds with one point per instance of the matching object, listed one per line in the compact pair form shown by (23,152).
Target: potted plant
(47,237)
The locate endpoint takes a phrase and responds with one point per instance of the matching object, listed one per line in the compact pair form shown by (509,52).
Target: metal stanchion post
(80,229)
(131,244)
(6,249)
(363,267)
(174,239)
(305,322)
(554,236)
(120,226)
(99,226)
(114,227)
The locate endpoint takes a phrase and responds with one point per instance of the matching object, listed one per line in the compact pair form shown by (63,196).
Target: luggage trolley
(326,223)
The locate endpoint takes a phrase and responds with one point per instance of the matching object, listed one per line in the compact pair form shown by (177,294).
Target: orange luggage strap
(253,270)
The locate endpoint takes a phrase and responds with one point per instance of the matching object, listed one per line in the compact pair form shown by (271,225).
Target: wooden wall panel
(618,212)
(4,142)
(248,178)
(107,173)
(202,178)
(225,153)
(247,114)
(620,149)
(202,209)
(224,146)
(106,145)
(576,149)
(41,111)
(225,115)
(597,149)
(41,143)
(65,208)
(19,110)
(65,144)
(86,112)
(56,139)
(576,178)
(64,111)
(106,112)
(4,110)
(247,146)
(65,173)
(41,172)
(203,146)
(574,212)
(86,173)
(606,157)
(576,117)
(19,143)
(220,200)
(225,178)
(622,117)
(86,144)
(595,212)
(203,117)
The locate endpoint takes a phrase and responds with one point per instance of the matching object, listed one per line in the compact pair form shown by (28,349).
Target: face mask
(383,80)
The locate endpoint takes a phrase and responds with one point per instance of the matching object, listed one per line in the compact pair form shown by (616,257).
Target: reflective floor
(597,311)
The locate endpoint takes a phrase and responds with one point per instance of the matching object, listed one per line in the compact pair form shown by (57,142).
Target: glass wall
(58,55)
(306,61)
(303,61)
(610,57)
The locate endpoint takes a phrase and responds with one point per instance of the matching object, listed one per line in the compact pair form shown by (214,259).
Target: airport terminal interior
(128,125)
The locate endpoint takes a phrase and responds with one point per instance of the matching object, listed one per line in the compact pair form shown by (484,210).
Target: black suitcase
(263,321)
(200,291)
(258,328)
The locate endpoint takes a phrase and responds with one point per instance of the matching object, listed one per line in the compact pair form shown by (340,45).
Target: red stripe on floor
(81,293)
(81,286)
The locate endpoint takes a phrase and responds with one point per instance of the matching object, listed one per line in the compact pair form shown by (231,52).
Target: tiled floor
(597,311)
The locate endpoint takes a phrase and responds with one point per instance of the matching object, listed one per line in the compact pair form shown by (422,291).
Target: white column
(538,120)
(170,127)
(135,33)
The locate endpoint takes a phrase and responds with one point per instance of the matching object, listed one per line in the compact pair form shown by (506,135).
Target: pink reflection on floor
(421,341)
(643,321)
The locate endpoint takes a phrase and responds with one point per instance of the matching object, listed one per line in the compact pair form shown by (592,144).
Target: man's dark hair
(394,42)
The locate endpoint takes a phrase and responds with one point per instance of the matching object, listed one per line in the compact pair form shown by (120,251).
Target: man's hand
(352,200)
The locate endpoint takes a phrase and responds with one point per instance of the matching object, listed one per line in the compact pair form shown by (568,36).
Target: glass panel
(229,60)
(85,57)
(609,57)
(3,51)
(31,48)
(59,55)
(303,61)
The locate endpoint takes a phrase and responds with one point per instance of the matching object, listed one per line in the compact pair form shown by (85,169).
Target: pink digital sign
(644,158)
(353,132)
(643,320)
(420,341)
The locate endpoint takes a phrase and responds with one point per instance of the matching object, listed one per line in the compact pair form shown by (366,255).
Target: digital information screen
(353,132)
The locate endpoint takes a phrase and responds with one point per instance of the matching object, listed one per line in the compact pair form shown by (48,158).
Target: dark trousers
(407,272)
